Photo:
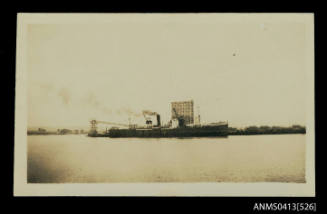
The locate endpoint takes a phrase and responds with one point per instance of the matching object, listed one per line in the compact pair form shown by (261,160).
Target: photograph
(164,104)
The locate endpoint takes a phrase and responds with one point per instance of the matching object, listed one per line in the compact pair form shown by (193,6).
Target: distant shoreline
(233,134)
(251,130)
(267,130)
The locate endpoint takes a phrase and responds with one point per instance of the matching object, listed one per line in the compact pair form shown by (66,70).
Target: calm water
(80,159)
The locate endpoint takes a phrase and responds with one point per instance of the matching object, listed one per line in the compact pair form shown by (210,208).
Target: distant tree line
(256,130)
(42,131)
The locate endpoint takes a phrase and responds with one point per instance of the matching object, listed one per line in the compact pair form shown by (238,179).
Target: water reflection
(80,159)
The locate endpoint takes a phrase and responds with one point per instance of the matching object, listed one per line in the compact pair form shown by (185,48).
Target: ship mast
(199,121)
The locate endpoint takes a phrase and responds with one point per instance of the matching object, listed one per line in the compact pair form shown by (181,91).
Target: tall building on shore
(184,109)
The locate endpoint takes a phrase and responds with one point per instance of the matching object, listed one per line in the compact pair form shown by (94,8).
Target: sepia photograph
(152,104)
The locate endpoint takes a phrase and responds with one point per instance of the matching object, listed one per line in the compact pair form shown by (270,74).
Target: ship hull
(203,131)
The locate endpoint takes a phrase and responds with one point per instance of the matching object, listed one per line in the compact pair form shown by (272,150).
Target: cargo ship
(183,124)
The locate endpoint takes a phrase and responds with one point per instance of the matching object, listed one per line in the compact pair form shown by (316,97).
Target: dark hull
(204,131)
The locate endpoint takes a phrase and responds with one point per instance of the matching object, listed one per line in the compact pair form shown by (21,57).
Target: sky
(243,72)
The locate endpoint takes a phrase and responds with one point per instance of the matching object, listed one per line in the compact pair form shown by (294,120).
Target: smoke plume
(93,101)
(149,112)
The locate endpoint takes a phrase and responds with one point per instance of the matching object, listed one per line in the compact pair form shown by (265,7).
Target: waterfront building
(184,110)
